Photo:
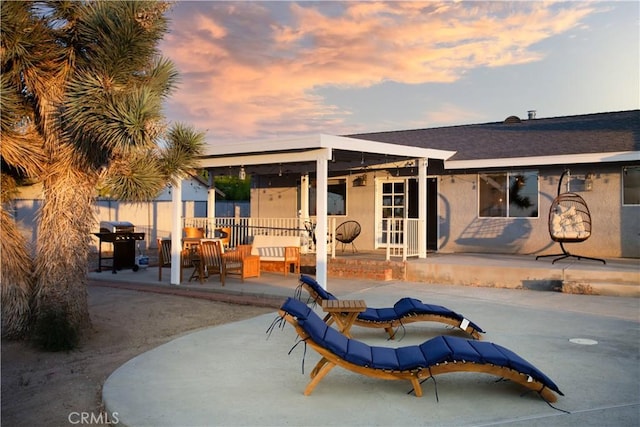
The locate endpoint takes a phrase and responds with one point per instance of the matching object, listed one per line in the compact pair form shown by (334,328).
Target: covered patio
(322,156)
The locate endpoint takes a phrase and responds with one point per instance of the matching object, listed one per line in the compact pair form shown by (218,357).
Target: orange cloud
(254,70)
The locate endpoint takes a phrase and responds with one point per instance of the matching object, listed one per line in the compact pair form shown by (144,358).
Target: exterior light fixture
(360,181)
(242,174)
(588,182)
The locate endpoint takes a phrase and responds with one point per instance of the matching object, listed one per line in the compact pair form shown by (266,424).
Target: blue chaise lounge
(405,310)
(414,363)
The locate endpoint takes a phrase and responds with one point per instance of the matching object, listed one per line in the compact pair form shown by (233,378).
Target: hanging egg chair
(569,222)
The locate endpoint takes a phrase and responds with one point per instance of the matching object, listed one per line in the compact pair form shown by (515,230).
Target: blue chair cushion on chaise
(434,351)
(404,307)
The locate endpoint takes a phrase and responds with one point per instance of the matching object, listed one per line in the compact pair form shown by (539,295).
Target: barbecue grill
(122,237)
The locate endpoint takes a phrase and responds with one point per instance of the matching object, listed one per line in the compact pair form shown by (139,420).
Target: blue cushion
(462,350)
(335,341)
(490,353)
(410,357)
(378,315)
(358,353)
(316,287)
(519,364)
(436,350)
(384,358)
(516,362)
(296,308)
(408,306)
(314,327)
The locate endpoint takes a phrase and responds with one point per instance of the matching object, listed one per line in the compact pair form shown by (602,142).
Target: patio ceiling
(300,155)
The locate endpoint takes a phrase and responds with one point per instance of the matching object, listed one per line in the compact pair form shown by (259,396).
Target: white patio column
(176,231)
(422,207)
(321,218)
(304,196)
(303,214)
(211,204)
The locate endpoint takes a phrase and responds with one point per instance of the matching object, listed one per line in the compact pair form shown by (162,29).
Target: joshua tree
(82,91)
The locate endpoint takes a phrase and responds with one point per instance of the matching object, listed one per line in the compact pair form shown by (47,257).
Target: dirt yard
(58,389)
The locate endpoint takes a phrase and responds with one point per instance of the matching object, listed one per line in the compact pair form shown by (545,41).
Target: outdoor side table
(251,266)
(198,268)
(344,312)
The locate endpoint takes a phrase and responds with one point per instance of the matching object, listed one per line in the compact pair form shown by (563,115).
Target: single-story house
(493,195)
(470,188)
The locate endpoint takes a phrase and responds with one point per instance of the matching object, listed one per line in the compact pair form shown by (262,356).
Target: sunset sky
(264,70)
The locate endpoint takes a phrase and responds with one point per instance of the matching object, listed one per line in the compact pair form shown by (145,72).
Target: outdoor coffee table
(344,312)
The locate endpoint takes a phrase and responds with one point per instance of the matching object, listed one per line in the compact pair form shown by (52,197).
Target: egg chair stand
(569,222)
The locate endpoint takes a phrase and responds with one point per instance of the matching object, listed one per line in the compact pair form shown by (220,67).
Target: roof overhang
(309,149)
(614,157)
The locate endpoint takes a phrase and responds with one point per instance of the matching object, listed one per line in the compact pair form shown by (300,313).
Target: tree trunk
(63,242)
(16,276)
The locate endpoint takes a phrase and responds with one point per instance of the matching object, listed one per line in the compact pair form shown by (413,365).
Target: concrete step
(616,278)
(612,282)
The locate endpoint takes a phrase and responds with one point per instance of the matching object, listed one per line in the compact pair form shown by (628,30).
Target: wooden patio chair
(214,260)
(224,234)
(164,257)
(415,363)
(240,261)
(193,232)
(404,311)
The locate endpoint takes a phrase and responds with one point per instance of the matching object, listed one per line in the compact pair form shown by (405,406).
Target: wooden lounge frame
(318,295)
(544,387)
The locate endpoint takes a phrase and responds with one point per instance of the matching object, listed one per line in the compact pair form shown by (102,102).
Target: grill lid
(116,227)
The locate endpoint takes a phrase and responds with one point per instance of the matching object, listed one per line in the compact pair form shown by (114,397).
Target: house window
(631,185)
(508,195)
(336,198)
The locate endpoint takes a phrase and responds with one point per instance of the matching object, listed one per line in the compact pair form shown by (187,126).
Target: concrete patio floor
(234,375)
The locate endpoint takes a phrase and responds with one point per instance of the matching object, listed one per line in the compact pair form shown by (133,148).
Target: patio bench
(277,253)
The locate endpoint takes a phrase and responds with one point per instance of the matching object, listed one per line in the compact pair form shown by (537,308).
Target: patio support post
(303,215)
(211,206)
(304,196)
(422,207)
(176,231)
(321,221)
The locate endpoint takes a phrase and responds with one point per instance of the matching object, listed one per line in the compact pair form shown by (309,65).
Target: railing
(243,229)
(401,237)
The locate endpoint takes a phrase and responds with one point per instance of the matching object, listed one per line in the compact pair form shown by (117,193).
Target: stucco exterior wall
(282,202)
(276,200)
(615,229)
(361,204)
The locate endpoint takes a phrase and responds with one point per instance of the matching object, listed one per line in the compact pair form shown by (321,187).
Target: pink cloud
(253,70)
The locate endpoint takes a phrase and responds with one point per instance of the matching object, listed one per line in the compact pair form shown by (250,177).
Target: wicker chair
(569,222)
